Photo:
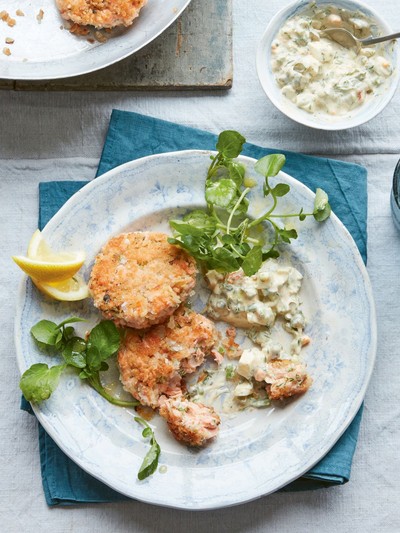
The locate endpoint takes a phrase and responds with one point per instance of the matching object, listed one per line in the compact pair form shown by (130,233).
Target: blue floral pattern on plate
(258,451)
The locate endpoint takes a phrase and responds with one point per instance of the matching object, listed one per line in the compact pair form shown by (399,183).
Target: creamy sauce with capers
(318,74)
(255,303)
(225,389)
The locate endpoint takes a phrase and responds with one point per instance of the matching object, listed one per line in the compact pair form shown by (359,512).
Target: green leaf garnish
(287,234)
(70,320)
(222,237)
(39,381)
(88,358)
(150,462)
(281,189)
(230,143)
(270,165)
(221,193)
(74,352)
(252,261)
(105,338)
(224,260)
(93,360)
(322,209)
(272,253)
(237,172)
(201,221)
(46,332)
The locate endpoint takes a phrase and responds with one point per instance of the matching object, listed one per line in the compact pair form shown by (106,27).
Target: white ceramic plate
(259,451)
(47,51)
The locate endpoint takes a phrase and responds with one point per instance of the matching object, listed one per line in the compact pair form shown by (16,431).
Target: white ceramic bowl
(353,118)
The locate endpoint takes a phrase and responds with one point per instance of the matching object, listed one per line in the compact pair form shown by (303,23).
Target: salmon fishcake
(152,362)
(101,13)
(286,378)
(139,279)
(191,423)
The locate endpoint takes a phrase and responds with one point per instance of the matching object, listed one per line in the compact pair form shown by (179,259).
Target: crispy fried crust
(101,13)
(191,423)
(152,362)
(139,279)
(291,379)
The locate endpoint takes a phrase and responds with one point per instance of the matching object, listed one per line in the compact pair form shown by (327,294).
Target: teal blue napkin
(131,136)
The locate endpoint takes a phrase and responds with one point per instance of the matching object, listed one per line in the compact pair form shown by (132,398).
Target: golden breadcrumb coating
(152,362)
(101,13)
(139,279)
(286,378)
(191,423)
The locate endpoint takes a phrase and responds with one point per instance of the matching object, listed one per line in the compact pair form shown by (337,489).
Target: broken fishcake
(285,378)
(191,423)
(152,362)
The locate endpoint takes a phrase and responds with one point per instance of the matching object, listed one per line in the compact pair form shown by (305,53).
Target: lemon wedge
(38,247)
(70,290)
(46,266)
(54,273)
(49,272)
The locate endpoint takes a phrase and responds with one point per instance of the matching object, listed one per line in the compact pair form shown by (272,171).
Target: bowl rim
(266,77)
(396,185)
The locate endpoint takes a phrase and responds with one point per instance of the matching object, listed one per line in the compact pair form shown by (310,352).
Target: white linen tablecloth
(58,136)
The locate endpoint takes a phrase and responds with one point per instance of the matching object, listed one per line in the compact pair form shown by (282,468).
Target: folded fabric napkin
(131,136)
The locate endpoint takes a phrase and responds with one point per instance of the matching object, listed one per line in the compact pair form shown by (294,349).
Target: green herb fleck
(230,372)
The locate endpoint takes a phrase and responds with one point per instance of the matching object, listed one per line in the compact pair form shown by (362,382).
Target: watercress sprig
(88,357)
(150,461)
(223,237)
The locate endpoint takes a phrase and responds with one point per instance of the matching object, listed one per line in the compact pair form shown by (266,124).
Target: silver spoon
(348,40)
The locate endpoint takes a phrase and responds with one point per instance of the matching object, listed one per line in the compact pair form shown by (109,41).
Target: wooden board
(194,53)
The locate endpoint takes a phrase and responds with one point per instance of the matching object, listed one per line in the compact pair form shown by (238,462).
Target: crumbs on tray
(40,15)
(5,17)
(11,22)
(94,35)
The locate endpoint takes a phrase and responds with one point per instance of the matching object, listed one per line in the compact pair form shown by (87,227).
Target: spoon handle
(366,42)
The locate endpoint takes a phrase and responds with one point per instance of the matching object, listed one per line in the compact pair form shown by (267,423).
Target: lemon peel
(53,273)
(63,267)
(70,290)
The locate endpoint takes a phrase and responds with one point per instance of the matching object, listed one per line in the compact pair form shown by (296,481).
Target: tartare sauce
(248,301)
(318,74)
(225,389)
(256,303)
